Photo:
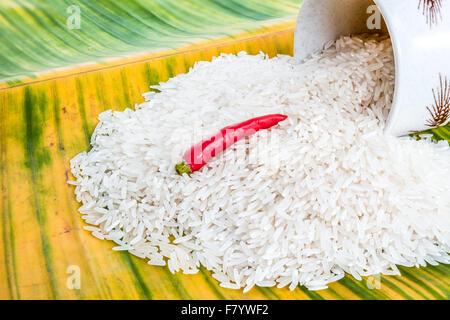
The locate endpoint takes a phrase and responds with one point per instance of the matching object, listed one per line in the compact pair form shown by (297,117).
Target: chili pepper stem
(182,168)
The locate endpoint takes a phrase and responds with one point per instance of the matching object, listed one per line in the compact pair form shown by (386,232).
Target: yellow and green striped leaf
(47,117)
(39,36)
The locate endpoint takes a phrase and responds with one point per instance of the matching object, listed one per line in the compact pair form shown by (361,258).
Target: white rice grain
(323,193)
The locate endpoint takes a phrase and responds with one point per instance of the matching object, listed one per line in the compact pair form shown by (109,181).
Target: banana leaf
(47,119)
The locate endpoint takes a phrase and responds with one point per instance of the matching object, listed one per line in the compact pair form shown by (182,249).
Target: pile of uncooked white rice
(321,194)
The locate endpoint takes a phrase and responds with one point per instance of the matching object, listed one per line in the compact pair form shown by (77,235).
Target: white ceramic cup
(420,35)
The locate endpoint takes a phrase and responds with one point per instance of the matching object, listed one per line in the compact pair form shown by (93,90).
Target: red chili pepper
(198,155)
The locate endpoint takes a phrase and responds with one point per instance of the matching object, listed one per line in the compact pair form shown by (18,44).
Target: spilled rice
(322,194)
